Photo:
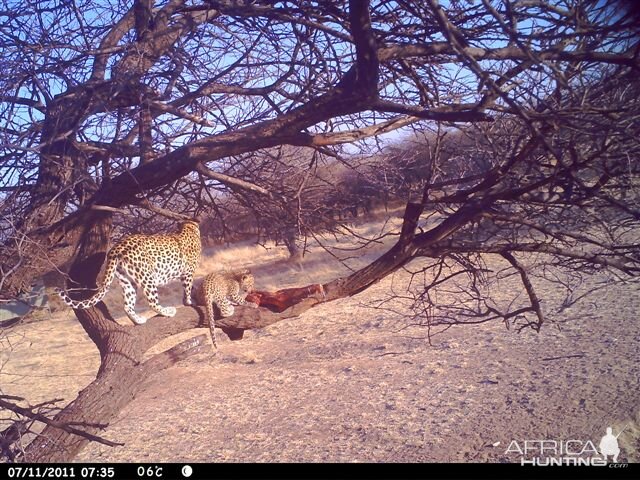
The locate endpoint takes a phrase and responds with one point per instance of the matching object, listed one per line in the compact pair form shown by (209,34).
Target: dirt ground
(345,382)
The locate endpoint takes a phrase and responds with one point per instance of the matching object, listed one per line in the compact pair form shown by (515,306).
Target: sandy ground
(345,382)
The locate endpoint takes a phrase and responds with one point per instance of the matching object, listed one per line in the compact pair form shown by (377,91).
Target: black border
(334,471)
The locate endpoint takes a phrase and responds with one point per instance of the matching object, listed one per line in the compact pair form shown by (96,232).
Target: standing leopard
(225,289)
(148,261)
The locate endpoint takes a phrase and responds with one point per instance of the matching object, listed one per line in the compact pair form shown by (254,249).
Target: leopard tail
(110,272)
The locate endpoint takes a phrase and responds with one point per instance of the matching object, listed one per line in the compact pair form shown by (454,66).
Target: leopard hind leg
(129,294)
(148,282)
(187,284)
(226,310)
(226,307)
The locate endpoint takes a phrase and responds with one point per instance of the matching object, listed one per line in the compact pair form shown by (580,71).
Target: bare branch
(533,298)
(231,181)
(27,412)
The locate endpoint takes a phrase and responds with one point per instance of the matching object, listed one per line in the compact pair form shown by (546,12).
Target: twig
(106,208)
(533,298)
(144,203)
(577,355)
(231,181)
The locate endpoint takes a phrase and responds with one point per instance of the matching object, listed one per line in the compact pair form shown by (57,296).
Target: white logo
(609,445)
(567,452)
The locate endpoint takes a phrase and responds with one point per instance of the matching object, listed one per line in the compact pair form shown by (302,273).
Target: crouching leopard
(225,289)
(148,261)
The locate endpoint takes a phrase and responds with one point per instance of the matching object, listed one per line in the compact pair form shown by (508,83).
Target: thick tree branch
(349,136)
(185,349)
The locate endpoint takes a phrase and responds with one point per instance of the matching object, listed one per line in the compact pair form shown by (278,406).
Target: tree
(108,108)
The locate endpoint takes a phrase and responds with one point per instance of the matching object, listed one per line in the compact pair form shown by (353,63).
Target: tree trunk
(118,382)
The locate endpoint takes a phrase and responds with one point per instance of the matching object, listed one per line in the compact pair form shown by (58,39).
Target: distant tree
(113,106)
(294,205)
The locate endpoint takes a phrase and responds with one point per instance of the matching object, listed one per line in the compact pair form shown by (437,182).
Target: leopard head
(246,280)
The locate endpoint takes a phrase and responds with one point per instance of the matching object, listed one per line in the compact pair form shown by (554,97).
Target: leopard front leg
(151,292)
(238,299)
